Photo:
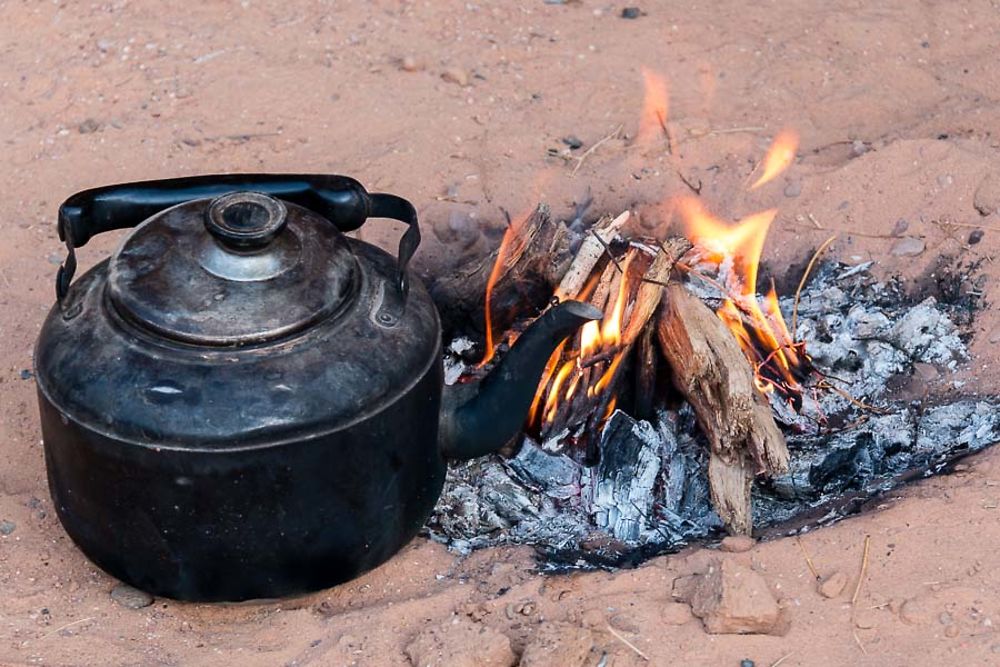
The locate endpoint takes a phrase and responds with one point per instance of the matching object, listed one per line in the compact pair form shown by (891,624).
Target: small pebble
(631,13)
(131,598)
(88,126)
(945,180)
(975,237)
(737,544)
(833,585)
(410,64)
(7,527)
(907,246)
(793,189)
(951,631)
(900,227)
(456,75)
(746,662)
(995,335)
(26,374)
(986,198)
(573,142)
(859,147)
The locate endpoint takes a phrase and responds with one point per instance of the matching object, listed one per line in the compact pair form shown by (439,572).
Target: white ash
(650,492)
(455,364)
(621,486)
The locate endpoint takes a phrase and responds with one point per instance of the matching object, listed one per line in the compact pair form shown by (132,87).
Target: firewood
(587,257)
(709,369)
(651,289)
(645,374)
(536,257)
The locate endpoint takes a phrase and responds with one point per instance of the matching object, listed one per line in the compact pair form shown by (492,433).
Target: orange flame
(761,332)
(778,158)
(511,234)
(655,104)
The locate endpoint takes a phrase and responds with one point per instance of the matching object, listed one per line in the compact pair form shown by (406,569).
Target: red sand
(897,105)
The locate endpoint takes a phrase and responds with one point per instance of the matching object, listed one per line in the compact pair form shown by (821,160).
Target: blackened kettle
(243,402)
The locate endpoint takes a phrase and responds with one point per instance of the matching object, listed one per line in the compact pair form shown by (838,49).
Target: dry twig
(632,646)
(782,659)
(864,571)
(586,154)
(805,276)
(809,563)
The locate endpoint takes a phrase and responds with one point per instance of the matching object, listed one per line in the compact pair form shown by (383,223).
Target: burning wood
(719,364)
(512,281)
(713,375)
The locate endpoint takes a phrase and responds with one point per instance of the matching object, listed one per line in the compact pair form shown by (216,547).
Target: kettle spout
(487,421)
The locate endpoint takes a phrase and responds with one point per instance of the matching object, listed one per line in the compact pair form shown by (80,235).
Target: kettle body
(243,402)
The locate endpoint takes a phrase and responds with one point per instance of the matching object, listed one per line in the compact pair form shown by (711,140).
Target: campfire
(653,425)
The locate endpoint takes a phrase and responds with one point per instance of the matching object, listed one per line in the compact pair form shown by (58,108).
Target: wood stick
(590,252)
(536,257)
(709,369)
(651,288)
(645,374)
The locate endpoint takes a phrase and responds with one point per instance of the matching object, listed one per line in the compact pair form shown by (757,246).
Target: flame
(735,250)
(590,339)
(655,104)
(779,156)
(511,244)
(589,365)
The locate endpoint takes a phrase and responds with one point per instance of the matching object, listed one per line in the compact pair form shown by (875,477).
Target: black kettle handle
(340,199)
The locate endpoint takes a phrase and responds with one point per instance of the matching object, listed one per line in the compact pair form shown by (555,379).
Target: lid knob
(245,220)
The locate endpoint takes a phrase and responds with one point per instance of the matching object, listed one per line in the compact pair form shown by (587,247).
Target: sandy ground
(897,104)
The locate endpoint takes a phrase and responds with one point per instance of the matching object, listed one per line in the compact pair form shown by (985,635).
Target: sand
(456,105)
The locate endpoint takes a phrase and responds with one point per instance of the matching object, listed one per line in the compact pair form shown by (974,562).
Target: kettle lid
(239,269)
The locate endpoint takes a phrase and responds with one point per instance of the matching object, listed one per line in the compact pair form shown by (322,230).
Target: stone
(986,198)
(732,599)
(737,544)
(558,644)
(975,237)
(131,598)
(456,75)
(631,13)
(88,126)
(907,246)
(833,585)
(793,189)
(461,644)
(916,611)
(951,631)
(410,64)
(7,527)
(676,613)
(573,141)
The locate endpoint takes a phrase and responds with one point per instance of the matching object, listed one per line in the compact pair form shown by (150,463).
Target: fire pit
(699,405)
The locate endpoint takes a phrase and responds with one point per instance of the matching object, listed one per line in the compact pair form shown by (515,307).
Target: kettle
(242,401)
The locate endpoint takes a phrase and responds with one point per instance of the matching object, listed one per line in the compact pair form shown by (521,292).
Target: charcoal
(556,475)
(621,486)
(649,493)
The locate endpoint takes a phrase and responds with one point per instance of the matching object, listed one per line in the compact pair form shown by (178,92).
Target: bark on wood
(535,260)
(709,369)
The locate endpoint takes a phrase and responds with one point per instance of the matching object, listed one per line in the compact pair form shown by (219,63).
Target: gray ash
(649,493)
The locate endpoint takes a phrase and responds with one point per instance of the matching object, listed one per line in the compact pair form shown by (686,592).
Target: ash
(649,493)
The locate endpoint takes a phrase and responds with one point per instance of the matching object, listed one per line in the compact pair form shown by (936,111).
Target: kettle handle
(340,199)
